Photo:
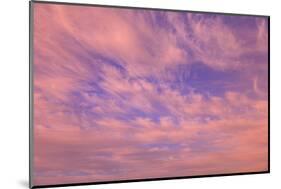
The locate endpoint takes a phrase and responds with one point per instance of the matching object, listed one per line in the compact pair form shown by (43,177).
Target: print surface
(135,94)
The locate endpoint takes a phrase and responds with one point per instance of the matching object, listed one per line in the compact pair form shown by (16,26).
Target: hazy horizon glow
(136,94)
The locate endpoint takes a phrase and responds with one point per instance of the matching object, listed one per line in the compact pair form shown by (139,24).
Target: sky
(134,94)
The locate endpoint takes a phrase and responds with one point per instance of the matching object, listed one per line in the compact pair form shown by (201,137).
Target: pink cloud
(113,99)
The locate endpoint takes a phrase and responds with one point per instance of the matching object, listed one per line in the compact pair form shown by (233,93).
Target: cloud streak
(127,94)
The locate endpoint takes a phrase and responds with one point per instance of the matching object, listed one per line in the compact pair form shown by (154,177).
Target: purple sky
(128,94)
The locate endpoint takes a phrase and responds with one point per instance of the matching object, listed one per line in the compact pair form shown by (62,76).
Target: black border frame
(129,180)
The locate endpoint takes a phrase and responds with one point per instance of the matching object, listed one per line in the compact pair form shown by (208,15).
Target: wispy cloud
(126,94)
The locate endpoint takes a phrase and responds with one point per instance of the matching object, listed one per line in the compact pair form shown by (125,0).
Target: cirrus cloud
(127,94)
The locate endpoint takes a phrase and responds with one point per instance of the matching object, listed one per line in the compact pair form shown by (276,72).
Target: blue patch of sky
(204,118)
(161,21)
(201,78)
(240,22)
(203,146)
(163,145)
